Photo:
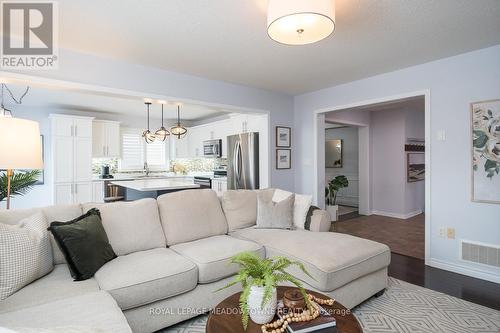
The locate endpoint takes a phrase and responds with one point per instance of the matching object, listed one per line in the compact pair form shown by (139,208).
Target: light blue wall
(454,83)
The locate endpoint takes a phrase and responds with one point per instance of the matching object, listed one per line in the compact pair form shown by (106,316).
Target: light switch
(441,135)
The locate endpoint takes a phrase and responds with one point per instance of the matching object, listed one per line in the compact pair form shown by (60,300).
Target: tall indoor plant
(259,278)
(21,182)
(331,191)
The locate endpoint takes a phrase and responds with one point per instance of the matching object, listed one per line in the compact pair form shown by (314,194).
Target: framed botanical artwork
(485,143)
(283,137)
(283,159)
(415,167)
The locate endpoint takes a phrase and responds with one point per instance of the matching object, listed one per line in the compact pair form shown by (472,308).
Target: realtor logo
(29,35)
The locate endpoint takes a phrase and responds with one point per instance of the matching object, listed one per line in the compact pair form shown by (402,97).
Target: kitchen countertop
(152,175)
(145,185)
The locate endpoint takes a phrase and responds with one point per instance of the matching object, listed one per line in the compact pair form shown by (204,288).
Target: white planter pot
(258,314)
(333,211)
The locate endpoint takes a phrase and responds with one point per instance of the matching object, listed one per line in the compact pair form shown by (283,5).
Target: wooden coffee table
(226,318)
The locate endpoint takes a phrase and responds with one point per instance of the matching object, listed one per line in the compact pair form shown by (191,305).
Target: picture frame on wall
(333,153)
(415,167)
(283,159)
(485,154)
(283,136)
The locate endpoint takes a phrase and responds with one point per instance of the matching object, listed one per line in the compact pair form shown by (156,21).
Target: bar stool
(113,192)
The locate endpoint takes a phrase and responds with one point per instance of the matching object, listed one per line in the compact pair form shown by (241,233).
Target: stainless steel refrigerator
(243,161)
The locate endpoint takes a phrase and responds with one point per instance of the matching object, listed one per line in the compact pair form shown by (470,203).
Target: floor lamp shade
(20,144)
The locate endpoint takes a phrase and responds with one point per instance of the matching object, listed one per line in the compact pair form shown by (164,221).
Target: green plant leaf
(480,141)
(21,183)
(267,273)
(489,164)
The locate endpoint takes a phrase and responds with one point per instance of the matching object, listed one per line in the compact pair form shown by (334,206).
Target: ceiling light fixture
(300,22)
(178,130)
(162,132)
(147,135)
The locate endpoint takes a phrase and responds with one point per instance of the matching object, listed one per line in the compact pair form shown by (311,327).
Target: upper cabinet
(191,146)
(106,138)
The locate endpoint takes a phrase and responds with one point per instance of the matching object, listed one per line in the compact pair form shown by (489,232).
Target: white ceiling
(227,39)
(58,99)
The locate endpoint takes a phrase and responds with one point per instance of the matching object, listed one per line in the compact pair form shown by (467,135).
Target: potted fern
(259,278)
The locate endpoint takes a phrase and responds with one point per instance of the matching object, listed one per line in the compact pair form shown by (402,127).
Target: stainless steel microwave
(212,148)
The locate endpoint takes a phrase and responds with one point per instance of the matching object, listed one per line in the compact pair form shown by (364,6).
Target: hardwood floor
(406,237)
(474,290)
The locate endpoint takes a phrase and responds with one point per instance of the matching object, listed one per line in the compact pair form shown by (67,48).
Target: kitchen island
(152,188)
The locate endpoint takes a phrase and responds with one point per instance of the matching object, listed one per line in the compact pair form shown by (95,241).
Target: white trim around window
(135,151)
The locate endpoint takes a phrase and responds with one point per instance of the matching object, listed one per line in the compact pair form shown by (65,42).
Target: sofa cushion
(96,311)
(274,215)
(212,255)
(333,259)
(84,243)
(301,206)
(240,208)
(57,285)
(190,215)
(52,213)
(131,226)
(147,276)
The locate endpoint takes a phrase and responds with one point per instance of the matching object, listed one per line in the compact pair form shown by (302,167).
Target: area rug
(404,308)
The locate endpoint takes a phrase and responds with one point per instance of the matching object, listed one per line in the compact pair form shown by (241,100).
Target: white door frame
(319,156)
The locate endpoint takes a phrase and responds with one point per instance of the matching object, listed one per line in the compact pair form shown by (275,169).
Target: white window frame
(164,167)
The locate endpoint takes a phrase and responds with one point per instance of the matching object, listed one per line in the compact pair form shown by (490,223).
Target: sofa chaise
(173,254)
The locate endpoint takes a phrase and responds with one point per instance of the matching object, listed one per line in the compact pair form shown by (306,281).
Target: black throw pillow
(84,243)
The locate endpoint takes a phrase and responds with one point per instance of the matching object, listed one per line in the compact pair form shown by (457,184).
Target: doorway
(393,179)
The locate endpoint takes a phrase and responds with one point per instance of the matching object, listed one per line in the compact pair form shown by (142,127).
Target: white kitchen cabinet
(219,186)
(72,158)
(73,193)
(181,149)
(98,191)
(196,136)
(211,131)
(63,194)
(82,192)
(82,156)
(63,167)
(105,138)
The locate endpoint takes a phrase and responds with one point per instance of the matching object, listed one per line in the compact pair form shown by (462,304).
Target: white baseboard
(396,215)
(464,270)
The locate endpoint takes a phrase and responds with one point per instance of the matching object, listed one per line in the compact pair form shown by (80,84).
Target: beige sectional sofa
(173,253)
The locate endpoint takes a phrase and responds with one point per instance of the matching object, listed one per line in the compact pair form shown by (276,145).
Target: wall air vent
(485,254)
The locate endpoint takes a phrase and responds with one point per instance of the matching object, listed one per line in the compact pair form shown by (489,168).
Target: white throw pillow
(300,208)
(25,253)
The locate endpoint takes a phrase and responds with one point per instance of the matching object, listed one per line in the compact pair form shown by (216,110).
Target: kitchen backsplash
(200,164)
(189,164)
(97,163)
